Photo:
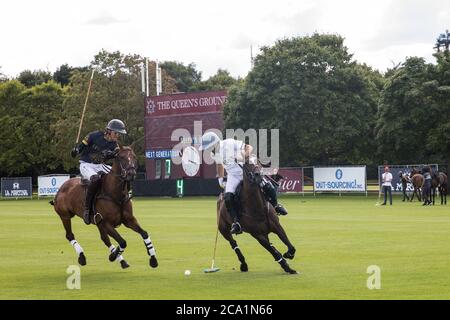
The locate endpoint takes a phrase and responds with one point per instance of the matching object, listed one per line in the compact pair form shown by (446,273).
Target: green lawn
(336,238)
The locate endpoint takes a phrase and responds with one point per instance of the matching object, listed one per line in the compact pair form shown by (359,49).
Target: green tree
(3,77)
(438,139)
(26,138)
(407,111)
(64,72)
(33,78)
(11,115)
(310,89)
(186,77)
(222,80)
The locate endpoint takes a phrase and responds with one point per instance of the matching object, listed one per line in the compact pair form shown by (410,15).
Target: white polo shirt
(230,155)
(387,179)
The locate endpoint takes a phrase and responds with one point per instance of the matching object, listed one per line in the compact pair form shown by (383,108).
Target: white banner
(49,185)
(340,179)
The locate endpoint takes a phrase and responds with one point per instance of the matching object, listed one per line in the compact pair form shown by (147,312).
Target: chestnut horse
(417,181)
(112,207)
(257,217)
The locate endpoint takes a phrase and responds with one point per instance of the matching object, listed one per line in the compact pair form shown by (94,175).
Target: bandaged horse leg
(134,225)
(116,236)
(119,258)
(71,238)
(264,241)
(105,238)
(230,205)
(271,195)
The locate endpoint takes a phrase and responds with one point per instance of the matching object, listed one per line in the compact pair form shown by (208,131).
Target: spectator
(387,185)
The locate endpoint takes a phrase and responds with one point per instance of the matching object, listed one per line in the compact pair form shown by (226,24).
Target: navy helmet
(116,125)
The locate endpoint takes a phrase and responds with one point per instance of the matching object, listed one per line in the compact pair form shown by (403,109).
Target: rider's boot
(90,194)
(229,203)
(271,195)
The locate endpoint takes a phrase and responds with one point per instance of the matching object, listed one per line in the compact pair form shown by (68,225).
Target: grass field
(336,238)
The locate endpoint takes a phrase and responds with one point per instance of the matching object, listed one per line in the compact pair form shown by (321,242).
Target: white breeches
(233,181)
(87,169)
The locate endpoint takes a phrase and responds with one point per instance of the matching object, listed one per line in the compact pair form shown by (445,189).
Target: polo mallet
(379,197)
(213,269)
(85,104)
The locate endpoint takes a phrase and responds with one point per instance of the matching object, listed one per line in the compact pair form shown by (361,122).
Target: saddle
(237,198)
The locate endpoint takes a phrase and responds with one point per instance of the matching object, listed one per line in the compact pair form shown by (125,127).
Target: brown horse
(417,181)
(442,187)
(257,217)
(112,206)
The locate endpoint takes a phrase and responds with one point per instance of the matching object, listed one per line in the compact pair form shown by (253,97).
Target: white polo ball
(187,272)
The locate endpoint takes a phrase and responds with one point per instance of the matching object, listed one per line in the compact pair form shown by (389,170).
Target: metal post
(303,182)
(147,93)
(158,79)
(142,78)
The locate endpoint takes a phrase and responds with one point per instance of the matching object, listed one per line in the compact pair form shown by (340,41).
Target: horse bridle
(252,177)
(123,170)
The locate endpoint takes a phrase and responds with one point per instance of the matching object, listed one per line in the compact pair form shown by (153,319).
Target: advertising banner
(18,187)
(340,179)
(49,185)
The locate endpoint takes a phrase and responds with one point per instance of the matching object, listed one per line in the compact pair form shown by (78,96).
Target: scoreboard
(164,114)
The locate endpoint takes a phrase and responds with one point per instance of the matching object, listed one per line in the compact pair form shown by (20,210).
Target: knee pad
(229,197)
(96,177)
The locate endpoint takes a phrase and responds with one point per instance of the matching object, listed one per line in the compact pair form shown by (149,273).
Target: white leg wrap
(120,257)
(150,249)
(76,246)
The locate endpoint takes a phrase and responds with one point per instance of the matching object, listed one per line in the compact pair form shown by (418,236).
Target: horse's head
(413,172)
(127,163)
(252,173)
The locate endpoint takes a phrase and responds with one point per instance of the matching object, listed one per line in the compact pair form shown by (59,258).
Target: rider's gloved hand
(108,154)
(75,151)
(253,159)
(221,183)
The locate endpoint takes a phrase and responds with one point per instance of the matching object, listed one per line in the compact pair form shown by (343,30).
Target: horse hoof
(82,259)
(289,255)
(153,262)
(113,256)
(291,271)
(244,267)
(124,264)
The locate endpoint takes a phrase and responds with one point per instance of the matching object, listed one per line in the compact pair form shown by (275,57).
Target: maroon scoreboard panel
(164,114)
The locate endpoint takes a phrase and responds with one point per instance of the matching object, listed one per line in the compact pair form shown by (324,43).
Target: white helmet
(209,139)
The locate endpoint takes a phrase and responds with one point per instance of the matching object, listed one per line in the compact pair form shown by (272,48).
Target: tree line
(329,108)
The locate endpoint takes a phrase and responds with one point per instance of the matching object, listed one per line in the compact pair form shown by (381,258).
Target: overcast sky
(212,34)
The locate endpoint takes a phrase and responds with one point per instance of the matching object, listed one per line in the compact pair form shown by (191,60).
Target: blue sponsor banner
(396,180)
(161,154)
(19,187)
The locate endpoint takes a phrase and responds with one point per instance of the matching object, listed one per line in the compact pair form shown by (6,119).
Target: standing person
(94,150)
(387,185)
(404,178)
(426,171)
